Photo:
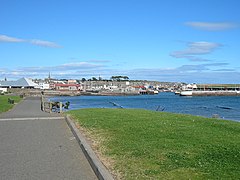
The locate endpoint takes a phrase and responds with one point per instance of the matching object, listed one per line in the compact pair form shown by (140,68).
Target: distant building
(43,85)
(189,87)
(72,81)
(68,87)
(21,83)
(3,90)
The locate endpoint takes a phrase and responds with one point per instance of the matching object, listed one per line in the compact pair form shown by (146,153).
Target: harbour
(224,107)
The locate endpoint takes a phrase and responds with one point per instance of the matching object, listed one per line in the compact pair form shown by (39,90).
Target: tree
(94,79)
(119,78)
(83,79)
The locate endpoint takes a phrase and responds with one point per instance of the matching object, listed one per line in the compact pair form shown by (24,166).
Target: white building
(21,83)
(43,85)
(189,87)
(3,90)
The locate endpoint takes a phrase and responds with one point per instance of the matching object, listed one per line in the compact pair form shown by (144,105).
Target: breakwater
(216,93)
(208,93)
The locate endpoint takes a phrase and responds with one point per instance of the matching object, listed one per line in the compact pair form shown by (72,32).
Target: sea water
(225,107)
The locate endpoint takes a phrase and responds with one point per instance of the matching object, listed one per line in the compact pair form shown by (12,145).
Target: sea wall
(216,93)
(38,92)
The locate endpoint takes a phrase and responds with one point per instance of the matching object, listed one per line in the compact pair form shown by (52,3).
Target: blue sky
(164,40)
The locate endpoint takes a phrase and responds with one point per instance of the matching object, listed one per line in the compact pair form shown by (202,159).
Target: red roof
(67,85)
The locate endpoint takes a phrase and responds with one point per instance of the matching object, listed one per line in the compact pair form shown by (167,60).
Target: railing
(52,107)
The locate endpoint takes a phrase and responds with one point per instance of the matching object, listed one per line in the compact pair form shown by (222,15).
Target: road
(35,145)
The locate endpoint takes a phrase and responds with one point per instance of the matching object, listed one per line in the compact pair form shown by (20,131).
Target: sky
(192,41)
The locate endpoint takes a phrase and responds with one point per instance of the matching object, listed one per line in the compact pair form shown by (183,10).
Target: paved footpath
(35,145)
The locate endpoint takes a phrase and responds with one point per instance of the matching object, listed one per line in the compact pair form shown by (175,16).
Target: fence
(51,107)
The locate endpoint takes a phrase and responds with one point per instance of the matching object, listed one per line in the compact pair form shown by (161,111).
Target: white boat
(177,92)
(186,93)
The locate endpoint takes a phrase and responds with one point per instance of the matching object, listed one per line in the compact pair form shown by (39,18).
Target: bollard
(10,101)
(60,107)
(50,107)
(42,104)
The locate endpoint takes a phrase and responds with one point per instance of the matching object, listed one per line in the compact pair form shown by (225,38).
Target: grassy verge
(4,105)
(157,145)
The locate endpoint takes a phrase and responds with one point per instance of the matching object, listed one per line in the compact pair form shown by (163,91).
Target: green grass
(157,145)
(4,105)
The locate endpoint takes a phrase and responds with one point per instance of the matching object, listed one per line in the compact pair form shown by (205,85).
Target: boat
(149,92)
(186,93)
(177,92)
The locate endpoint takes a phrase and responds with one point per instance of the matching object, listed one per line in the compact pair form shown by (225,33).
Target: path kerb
(100,170)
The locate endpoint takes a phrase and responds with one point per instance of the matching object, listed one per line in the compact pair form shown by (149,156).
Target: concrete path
(38,145)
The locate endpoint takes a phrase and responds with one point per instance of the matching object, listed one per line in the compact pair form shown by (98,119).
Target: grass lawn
(144,144)
(4,105)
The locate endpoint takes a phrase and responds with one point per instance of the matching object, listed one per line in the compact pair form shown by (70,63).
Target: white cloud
(99,61)
(63,67)
(212,26)
(201,73)
(195,59)
(4,38)
(78,65)
(44,43)
(194,49)
(181,69)
(199,67)
(225,70)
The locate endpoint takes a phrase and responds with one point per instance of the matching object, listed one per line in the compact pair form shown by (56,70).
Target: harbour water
(226,107)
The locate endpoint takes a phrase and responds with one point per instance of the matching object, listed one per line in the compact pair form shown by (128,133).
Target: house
(43,85)
(72,81)
(189,87)
(3,90)
(68,87)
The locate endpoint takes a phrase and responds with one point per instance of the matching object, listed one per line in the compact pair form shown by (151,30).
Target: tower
(49,76)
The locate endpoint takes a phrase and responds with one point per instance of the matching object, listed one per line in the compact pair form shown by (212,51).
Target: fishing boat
(177,92)
(186,93)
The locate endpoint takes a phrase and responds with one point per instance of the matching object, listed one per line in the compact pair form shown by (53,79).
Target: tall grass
(157,145)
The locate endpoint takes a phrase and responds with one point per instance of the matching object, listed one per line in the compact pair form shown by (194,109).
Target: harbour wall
(215,93)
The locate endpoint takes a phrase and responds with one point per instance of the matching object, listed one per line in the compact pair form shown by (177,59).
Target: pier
(210,90)
(210,93)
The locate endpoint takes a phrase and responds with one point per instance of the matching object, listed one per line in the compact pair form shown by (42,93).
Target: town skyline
(165,41)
